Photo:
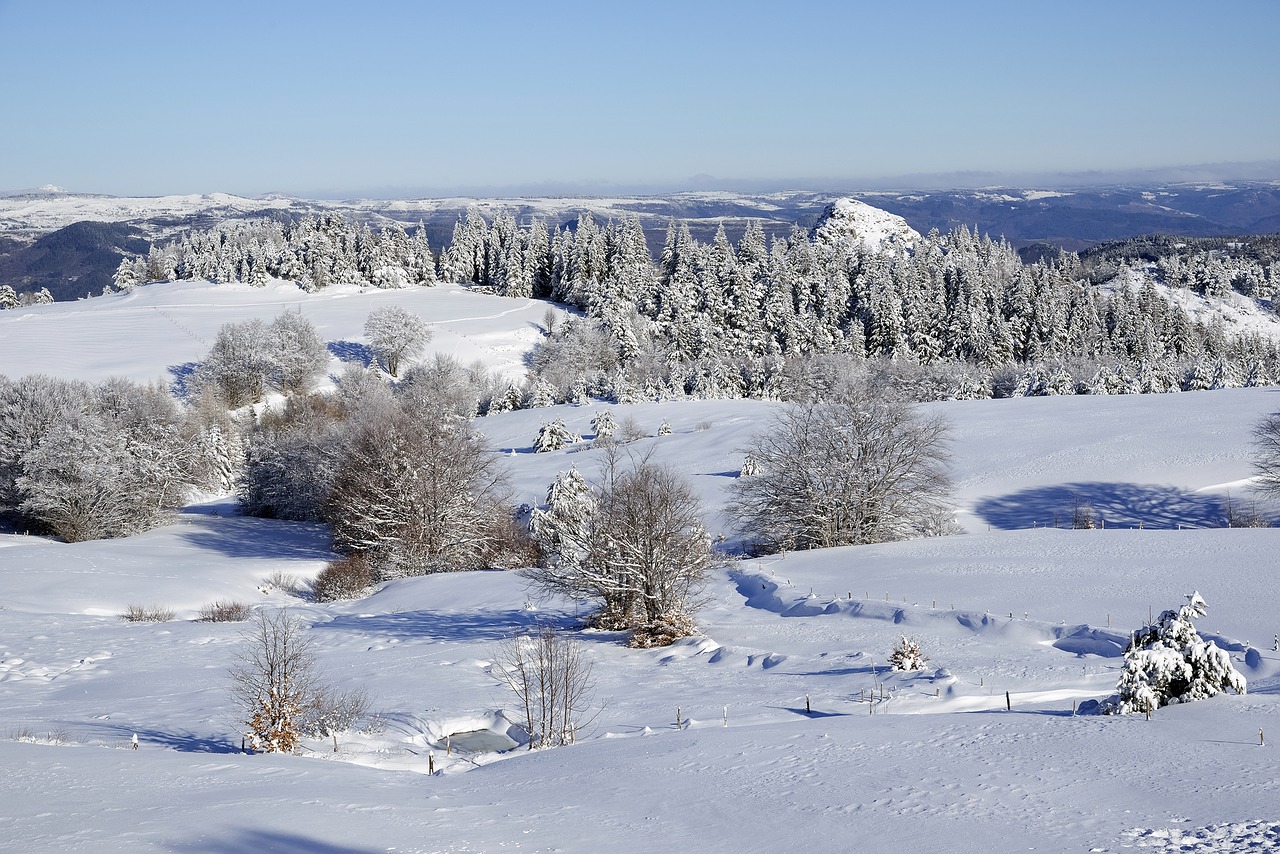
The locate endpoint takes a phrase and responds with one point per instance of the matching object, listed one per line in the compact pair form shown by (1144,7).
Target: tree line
(955,315)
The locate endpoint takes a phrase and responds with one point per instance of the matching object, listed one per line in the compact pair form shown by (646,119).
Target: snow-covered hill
(858,222)
(785,741)
(158,332)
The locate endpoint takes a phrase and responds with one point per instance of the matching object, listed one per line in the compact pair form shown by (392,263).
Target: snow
(157,332)
(940,763)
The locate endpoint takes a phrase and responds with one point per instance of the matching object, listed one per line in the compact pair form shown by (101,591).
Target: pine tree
(553,436)
(1169,663)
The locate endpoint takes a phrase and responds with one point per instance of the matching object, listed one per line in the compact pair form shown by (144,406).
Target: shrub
(273,679)
(147,614)
(510,545)
(343,579)
(634,545)
(285,582)
(662,631)
(224,612)
(330,711)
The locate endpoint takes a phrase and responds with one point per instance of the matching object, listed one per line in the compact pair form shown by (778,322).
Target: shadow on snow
(1120,505)
(351,351)
(450,626)
(247,537)
(184,742)
(267,840)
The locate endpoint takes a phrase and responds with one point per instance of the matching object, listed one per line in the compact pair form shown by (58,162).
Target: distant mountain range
(71,243)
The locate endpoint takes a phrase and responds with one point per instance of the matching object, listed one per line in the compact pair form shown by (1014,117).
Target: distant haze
(328,99)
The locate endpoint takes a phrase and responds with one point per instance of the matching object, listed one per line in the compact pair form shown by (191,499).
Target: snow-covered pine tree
(907,656)
(1169,663)
(604,424)
(561,529)
(553,436)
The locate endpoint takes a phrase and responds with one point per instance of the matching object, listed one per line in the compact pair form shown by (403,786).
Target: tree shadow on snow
(183,742)
(1118,505)
(276,841)
(246,537)
(449,626)
(351,351)
(180,385)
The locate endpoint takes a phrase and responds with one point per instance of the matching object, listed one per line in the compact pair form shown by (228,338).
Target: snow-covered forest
(942,316)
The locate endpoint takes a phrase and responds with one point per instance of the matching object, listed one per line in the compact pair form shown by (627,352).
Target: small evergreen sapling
(553,437)
(1169,663)
(604,425)
(907,656)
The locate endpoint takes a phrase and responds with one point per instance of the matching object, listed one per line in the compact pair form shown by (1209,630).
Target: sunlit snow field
(942,762)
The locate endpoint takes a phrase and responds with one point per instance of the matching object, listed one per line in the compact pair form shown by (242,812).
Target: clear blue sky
(343,98)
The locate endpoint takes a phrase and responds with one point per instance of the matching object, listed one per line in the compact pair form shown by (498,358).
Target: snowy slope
(157,331)
(939,764)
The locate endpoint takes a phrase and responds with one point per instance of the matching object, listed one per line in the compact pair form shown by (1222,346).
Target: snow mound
(849,220)
(1234,836)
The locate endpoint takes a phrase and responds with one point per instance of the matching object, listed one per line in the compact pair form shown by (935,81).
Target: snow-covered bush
(299,355)
(239,365)
(1169,663)
(113,468)
(417,492)
(860,467)
(329,710)
(553,436)
(634,546)
(273,679)
(907,656)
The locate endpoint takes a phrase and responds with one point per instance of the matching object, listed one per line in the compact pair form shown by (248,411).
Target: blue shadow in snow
(351,351)
(276,841)
(1119,505)
(184,742)
(449,626)
(808,713)
(255,538)
(180,385)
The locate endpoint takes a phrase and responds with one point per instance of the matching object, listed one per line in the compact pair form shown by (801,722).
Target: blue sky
(402,98)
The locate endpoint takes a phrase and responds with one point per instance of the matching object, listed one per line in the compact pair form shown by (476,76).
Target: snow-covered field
(941,763)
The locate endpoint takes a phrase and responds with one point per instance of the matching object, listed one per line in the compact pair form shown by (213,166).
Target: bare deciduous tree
(273,680)
(856,468)
(1266,454)
(551,678)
